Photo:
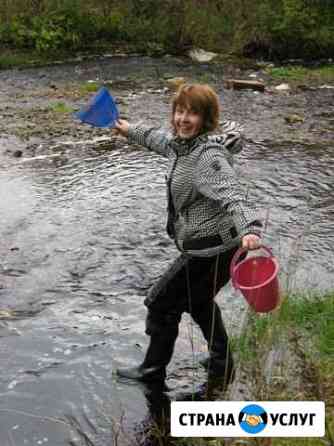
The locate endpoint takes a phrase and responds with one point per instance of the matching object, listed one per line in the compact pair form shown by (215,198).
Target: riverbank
(293,69)
(289,356)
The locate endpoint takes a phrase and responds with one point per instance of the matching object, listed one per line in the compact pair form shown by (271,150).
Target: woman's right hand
(122,127)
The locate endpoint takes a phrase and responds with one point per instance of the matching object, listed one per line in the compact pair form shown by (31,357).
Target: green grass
(314,315)
(247,344)
(61,107)
(297,442)
(324,73)
(306,325)
(249,442)
(89,87)
(12,58)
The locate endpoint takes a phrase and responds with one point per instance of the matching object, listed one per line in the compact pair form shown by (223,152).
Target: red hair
(200,98)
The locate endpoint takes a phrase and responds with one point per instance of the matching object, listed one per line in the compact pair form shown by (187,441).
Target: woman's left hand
(251,241)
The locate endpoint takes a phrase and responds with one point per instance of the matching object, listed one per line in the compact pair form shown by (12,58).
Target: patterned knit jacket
(207,212)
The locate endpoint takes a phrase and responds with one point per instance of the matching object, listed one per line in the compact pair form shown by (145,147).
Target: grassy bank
(300,335)
(299,73)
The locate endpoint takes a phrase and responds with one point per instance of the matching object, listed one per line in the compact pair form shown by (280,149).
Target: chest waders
(166,302)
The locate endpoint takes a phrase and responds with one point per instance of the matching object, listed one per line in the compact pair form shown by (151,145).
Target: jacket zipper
(171,207)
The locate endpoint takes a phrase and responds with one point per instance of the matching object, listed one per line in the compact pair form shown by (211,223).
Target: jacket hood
(231,137)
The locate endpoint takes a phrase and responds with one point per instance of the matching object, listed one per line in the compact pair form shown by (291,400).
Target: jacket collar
(185,146)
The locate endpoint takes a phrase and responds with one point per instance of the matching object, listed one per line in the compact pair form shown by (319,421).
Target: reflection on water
(82,241)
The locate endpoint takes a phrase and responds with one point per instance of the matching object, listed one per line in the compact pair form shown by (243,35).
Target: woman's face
(187,122)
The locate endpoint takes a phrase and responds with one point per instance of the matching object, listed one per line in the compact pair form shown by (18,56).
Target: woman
(208,218)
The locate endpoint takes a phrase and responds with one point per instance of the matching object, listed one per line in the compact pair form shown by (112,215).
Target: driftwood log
(237,84)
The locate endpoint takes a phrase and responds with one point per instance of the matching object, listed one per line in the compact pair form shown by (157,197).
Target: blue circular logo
(253,419)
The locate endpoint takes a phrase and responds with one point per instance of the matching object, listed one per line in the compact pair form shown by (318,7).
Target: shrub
(269,28)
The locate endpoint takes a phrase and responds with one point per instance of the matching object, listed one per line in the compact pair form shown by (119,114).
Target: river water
(82,240)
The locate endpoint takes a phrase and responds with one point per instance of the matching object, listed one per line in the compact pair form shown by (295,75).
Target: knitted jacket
(207,212)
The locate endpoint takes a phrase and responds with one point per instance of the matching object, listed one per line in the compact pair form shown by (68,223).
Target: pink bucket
(256,278)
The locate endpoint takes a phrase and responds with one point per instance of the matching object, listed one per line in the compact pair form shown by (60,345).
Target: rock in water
(200,55)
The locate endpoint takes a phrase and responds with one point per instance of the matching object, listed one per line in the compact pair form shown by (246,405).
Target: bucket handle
(236,256)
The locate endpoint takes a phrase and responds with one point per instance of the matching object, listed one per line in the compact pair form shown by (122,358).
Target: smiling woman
(195,110)
(208,217)
(187,122)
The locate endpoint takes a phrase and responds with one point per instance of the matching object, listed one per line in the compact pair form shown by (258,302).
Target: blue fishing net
(101,111)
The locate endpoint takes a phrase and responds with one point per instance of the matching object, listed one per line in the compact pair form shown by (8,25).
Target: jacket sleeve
(216,179)
(155,139)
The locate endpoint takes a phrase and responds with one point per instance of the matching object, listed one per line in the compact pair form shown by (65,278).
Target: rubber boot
(220,362)
(153,368)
